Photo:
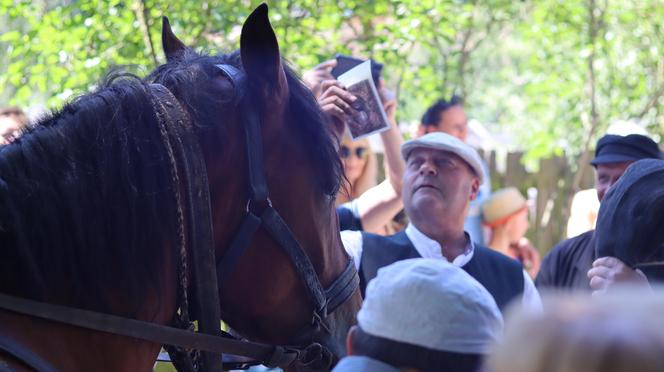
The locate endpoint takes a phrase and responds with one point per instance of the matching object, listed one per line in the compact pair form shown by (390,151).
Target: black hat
(618,149)
(630,224)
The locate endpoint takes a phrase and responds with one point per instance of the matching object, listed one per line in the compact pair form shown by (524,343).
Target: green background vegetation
(552,73)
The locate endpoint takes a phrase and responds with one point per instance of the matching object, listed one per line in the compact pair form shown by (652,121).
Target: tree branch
(465,55)
(141,13)
(402,67)
(652,102)
(594,29)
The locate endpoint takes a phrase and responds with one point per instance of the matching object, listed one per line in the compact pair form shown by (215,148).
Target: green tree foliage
(554,73)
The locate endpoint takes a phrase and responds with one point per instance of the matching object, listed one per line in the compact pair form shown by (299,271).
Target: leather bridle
(189,169)
(325,301)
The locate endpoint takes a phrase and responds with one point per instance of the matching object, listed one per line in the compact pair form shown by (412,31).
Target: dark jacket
(499,274)
(567,265)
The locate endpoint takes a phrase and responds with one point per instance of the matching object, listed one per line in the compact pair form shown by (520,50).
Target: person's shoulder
(349,217)
(565,265)
(399,237)
(567,252)
(381,245)
(571,246)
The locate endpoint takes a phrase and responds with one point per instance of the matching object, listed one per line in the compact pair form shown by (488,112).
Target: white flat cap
(433,304)
(445,142)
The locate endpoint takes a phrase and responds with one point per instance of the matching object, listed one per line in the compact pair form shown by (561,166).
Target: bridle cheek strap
(269,218)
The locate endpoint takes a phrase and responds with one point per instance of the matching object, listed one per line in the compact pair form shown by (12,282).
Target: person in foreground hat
(568,264)
(506,214)
(451,329)
(442,177)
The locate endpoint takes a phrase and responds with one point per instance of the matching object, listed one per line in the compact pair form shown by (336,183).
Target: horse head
(91,211)
(263,296)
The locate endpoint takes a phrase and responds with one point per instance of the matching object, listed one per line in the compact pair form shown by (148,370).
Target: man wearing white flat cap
(452,327)
(442,177)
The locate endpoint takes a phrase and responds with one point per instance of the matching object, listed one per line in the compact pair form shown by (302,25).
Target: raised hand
(527,254)
(316,76)
(335,101)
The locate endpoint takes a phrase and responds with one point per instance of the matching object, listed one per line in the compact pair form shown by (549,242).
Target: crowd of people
(437,288)
(454,285)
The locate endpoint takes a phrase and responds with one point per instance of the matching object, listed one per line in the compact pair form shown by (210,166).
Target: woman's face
(354,157)
(520,225)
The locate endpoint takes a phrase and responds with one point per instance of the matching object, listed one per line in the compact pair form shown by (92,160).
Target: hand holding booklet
(369,116)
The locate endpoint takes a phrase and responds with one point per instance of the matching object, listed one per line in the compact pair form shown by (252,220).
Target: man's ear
(261,60)
(421,130)
(349,340)
(173,47)
(474,188)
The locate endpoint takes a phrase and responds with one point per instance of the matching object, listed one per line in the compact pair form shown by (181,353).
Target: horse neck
(73,349)
(69,348)
(87,222)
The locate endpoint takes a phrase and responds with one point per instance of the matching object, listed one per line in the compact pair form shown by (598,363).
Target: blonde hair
(622,331)
(368,178)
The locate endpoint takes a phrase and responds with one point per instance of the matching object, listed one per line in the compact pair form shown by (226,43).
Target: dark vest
(499,274)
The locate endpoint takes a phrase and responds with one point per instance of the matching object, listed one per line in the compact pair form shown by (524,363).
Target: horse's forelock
(316,135)
(186,76)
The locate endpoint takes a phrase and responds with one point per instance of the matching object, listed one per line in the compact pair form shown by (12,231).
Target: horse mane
(86,203)
(86,196)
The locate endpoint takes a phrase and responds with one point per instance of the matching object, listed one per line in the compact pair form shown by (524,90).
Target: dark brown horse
(87,218)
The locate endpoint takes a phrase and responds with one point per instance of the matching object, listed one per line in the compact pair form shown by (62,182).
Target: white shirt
(429,248)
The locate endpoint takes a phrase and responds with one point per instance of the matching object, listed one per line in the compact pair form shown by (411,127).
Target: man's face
(453,121)
(437,184)
(608,174)
(10,128)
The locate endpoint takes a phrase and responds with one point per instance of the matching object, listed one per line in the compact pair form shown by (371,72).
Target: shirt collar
(429,248)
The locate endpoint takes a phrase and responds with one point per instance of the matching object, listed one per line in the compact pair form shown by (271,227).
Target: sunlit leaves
(522,65)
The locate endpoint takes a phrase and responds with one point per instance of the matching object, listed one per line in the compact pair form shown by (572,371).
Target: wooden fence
(553,183)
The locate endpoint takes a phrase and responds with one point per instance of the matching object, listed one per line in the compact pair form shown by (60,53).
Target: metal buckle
(250,202)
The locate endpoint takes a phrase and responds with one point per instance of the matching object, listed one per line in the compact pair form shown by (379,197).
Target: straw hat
(502,205)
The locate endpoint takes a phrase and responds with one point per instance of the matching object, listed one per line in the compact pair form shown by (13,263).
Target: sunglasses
(346,152)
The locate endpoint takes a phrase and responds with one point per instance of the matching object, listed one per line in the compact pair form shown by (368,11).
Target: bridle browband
(180,142)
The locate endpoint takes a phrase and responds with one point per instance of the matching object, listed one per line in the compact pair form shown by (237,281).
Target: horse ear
(173,47)
(259,50)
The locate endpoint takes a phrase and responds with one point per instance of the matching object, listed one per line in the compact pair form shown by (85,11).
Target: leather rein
(183,344)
